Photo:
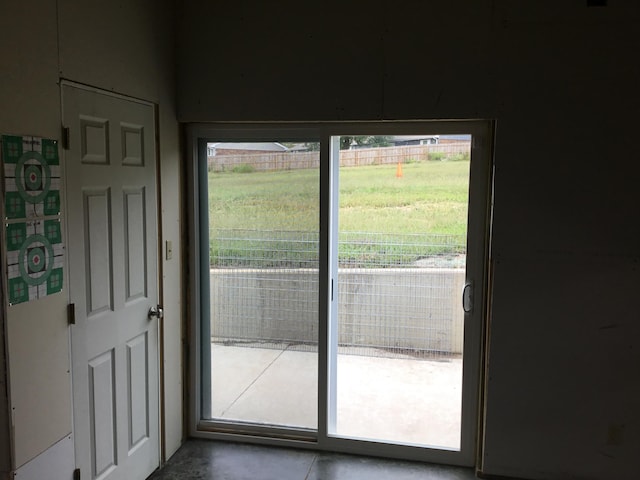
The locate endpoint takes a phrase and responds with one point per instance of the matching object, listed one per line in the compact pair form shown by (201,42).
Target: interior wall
(37,340)
(125,47)
(5,422)
(560,79)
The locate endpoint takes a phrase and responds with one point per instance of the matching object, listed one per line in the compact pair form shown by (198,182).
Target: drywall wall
(125,47)
(5,421)
(560,78)
(37,338)
(55,462)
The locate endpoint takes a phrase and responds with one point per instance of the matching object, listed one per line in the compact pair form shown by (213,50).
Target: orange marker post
(399,170)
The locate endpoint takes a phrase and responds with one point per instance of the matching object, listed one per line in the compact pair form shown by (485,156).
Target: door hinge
(66,135)
(71,313)
(76,474)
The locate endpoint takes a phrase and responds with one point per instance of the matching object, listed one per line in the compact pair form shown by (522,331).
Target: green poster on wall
(33,234)
(32,177)
(35,258)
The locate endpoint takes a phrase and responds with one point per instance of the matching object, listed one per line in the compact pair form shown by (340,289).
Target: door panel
(135,253)
(402,234)
(98,251)
(94,138)
(111,197)
(263,276)
(424,403)
(138,404)
(101,413)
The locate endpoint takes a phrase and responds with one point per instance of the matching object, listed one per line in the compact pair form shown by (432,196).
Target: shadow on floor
(214,460)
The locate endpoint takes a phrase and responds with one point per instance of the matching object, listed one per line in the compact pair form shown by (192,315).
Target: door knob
(155,312)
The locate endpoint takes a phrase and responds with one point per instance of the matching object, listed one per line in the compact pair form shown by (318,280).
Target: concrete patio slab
(284,393)
(397,400)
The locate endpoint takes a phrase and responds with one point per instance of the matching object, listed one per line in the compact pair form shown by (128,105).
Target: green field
(430,198)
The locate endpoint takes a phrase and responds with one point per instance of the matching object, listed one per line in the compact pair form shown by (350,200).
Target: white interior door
(111,204)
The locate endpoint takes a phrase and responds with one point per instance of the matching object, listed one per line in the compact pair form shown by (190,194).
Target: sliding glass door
(341,285)
(400,242)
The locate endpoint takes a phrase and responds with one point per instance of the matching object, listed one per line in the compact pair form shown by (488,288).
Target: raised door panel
(135,244)
(102,414)
(97,222)
(138,401)
(132,144)
(94,138)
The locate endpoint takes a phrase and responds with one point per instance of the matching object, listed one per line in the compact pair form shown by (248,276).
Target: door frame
(64,82)
(478,252)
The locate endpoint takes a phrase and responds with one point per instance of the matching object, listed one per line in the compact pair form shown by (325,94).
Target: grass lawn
(431,197)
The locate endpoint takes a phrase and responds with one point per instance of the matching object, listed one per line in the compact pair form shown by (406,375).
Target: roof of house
(257,146)
(408,138)
(299,147)
(462,138)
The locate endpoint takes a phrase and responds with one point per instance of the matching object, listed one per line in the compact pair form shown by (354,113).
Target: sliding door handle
(467,298)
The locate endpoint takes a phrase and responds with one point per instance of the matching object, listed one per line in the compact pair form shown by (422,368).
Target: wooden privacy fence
(348,158)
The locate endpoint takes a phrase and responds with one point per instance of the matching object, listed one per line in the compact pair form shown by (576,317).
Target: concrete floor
(396,400)
(211,460)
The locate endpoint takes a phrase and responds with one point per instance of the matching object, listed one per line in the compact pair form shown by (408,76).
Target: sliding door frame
(478,242)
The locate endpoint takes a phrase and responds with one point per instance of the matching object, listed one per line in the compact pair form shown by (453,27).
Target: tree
(346,142)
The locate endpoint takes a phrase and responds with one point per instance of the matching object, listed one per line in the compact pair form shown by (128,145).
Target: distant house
(403,140)
(229,148)
(300,147)
(455,138)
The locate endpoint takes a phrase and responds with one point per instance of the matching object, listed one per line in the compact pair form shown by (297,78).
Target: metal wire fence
(397,294)
(245,248)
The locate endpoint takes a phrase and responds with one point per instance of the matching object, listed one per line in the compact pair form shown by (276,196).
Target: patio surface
(399,400)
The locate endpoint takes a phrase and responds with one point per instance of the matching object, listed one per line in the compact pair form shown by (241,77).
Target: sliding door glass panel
(263,200)
(401,246)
